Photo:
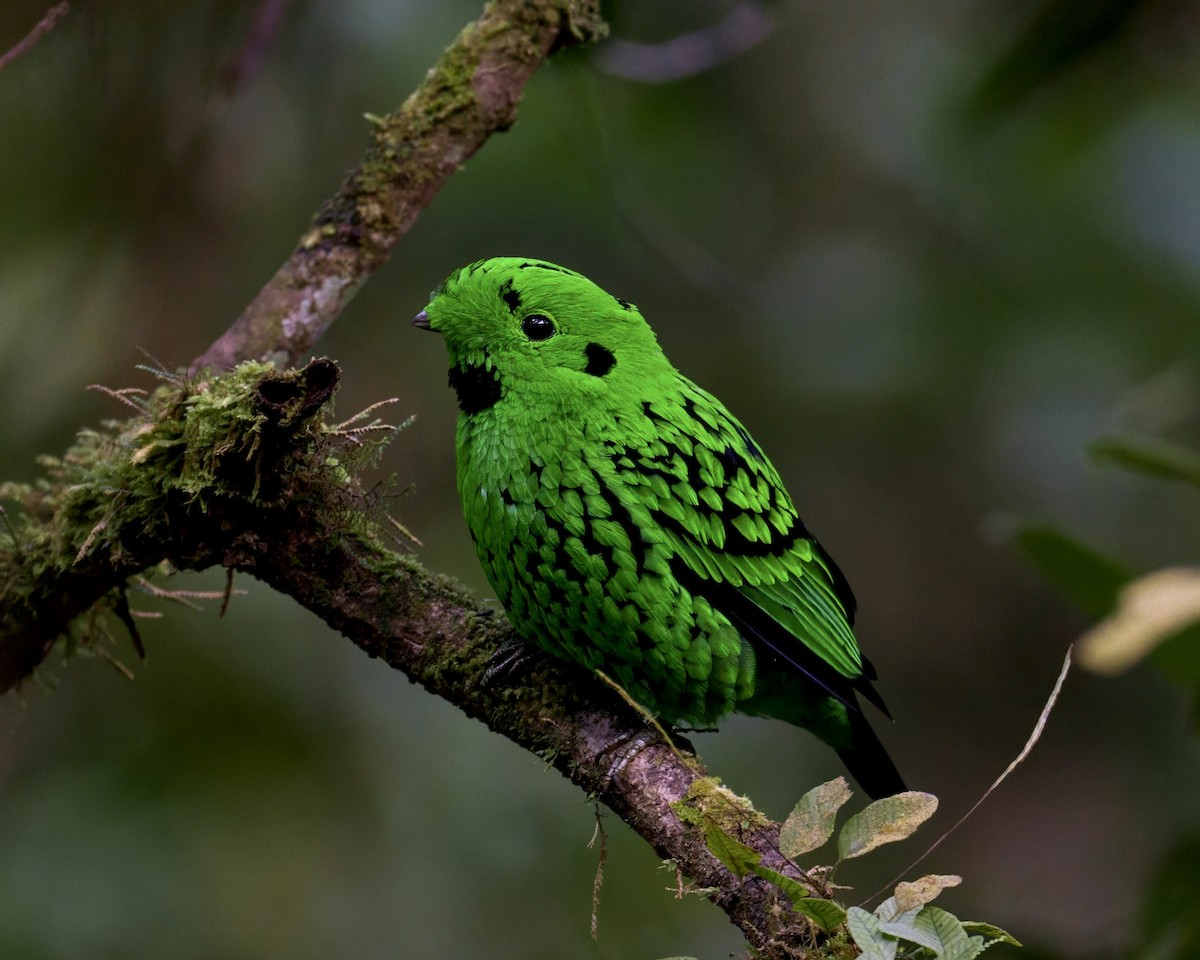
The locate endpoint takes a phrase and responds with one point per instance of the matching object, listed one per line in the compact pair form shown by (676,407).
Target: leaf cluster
(906,924)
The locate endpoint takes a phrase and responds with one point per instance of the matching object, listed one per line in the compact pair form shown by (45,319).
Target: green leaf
(990,931)
(1179,659)
(811,822)
(871,940)
(1149,455)
(908,931)
(1169,925)
(738,858)
(947,931)
(917,893)
(888,912)
(885,821)
(1088,578)
(824,913)
(794,889)
(1152,609)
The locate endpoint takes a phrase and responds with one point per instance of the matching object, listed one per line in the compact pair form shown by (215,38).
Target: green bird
(630,524)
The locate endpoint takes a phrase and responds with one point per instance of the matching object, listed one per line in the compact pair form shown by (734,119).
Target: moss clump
(709,799)
(176,476)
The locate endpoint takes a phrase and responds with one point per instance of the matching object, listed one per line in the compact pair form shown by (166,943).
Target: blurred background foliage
(926,251)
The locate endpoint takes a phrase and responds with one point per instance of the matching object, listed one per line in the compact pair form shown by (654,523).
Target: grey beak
(421,320)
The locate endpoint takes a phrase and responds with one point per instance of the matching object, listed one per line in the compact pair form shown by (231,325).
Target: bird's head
(527,326)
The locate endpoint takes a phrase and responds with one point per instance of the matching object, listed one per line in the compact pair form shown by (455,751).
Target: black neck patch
(477,387)
(599,360)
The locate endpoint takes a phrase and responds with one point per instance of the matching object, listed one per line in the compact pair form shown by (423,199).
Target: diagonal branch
(41,28)
(471,93)
(242,472)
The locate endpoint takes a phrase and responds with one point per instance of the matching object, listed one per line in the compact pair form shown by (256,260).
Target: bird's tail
(868,761)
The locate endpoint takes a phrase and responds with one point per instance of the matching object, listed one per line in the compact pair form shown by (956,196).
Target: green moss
(254,439)
(708,799)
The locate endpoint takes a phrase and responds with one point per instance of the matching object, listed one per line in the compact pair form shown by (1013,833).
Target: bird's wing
(739,542)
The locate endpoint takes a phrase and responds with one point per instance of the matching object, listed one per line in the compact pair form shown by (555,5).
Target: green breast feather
(629,523)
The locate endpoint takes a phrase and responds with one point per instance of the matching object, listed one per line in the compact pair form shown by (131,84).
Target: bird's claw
(510,657)
(624,749)
(628,745)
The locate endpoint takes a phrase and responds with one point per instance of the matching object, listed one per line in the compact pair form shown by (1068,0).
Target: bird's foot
(622,751)
(628,745)
(510,658)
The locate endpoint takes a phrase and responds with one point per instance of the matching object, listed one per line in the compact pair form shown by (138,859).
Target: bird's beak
(421,320)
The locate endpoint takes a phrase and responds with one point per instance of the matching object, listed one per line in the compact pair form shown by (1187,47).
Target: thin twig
(688,54)
(598,882)
(1017,761)
(243,65)
(44,26)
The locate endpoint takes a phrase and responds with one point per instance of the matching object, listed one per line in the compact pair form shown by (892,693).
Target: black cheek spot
(509,294)
(599,360)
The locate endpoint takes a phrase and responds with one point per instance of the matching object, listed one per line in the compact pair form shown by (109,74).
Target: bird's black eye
(537,326)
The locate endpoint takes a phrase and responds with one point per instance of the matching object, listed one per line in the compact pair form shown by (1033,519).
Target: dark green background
(925,251)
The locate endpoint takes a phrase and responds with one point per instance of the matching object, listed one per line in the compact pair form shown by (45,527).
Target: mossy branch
(242,471)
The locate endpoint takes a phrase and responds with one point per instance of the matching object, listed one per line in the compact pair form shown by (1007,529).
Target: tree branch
(40,29)
(471,93)
(241,471)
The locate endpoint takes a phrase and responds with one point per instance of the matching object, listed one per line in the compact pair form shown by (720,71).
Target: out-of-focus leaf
(1064,33)
(1179,658)
(917,893)
(738,858)
(885,821)
(1088,577)
(1158,458)
(871,940)
(1171,904)
(811,822)
(1150,610)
